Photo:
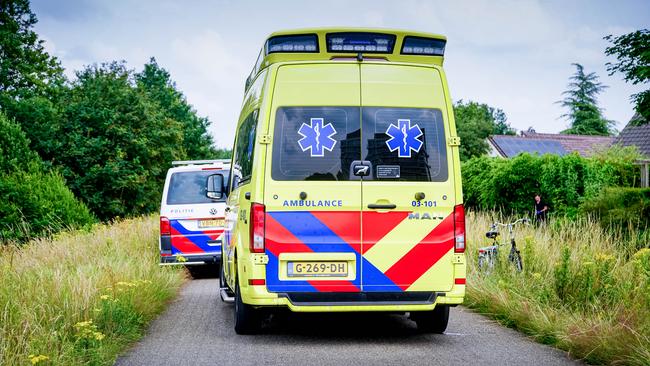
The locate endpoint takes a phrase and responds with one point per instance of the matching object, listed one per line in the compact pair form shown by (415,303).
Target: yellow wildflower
(642,253)
(98,335)
(603,257)
(181,259)
(84,324)
(105,297)
(35,359)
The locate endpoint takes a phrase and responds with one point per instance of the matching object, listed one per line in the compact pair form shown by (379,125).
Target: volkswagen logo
(213,211)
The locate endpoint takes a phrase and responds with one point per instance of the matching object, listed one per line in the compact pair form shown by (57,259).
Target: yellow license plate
(317,269)
(210,223)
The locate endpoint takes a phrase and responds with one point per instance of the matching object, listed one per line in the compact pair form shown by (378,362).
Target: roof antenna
(360,57)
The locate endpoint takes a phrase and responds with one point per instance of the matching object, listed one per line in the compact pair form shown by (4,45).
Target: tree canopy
(115,144)
(633,53)
(474,123)
(25,68)
(156,83)
(580,99)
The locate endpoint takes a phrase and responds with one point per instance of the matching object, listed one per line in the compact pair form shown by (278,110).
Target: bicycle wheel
(515,258)
(481,262)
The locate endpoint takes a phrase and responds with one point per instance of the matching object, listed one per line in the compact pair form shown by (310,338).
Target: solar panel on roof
(514,146)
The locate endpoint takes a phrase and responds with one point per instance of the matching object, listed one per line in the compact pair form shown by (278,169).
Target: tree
(115,144)
(633,53)
(581,99)
(34,201)
(474,123)
(25,68)
(156,83)
(223,154)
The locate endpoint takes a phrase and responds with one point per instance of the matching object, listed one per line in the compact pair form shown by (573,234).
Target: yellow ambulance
(345,186)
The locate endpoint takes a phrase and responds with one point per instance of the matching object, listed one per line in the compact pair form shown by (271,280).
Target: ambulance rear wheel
(434,321)
(247,320)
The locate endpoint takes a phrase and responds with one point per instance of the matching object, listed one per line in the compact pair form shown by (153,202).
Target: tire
(481,263)
(247,320)
(515,258)
(434,321)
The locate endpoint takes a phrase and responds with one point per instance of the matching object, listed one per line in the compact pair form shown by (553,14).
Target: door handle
(382,206)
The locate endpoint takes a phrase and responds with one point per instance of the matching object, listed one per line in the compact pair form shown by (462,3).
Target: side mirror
(214,186)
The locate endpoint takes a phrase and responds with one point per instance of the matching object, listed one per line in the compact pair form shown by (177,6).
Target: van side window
(243,160)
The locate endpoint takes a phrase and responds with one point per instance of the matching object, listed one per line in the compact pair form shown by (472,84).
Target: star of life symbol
(317,137)
(404,138)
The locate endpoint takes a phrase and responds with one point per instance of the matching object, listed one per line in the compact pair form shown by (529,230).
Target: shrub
(15,154)
(564,182)
(621,207)
(36,204)
(33,202)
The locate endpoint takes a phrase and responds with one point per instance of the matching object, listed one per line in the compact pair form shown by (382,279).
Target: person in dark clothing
(541,208)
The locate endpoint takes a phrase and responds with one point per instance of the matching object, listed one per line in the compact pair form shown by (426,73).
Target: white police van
(191,223)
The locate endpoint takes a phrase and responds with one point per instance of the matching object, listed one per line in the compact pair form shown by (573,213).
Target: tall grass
(81,298)
(583,289)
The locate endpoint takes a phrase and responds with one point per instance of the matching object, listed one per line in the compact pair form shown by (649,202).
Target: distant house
(638,136)
(546,143)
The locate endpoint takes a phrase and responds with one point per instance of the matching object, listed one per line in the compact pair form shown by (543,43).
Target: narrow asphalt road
(197,329)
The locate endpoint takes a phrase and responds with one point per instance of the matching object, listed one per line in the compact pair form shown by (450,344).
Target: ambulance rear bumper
(353,302)
(361,298)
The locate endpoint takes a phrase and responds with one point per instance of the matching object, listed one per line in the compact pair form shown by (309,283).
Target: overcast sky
(514,55)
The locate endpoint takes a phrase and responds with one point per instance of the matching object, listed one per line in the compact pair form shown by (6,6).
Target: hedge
(620,207)
(564,182)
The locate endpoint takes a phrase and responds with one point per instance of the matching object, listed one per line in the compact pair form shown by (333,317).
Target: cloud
(212,76)
(511,54)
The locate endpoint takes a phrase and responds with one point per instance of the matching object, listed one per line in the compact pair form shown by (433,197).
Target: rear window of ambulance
(405,144)
(315,143)
(189,187)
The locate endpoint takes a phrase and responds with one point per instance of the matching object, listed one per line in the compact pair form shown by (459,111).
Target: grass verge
(583,290)
(82,298)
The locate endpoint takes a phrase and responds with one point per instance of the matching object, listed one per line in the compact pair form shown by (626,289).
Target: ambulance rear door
(408,200)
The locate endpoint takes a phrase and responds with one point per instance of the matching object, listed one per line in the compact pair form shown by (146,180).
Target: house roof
(584,145)
(510,146)
(548,143)
(636,135)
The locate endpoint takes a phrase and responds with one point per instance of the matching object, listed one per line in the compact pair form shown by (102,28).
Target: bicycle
(487,256)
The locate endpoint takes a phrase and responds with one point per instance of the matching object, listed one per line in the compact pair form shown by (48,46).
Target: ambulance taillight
(257,227)
(459,229)
(165,226)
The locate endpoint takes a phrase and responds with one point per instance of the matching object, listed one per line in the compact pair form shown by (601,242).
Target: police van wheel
(246,317)
(434,321)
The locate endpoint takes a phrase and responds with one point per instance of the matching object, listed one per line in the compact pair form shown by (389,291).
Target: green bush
(620,207)
(15,154)
(563,182)
(33,202)
(36,204)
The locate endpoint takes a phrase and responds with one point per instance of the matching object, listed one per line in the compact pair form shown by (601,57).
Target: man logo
(425,216)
